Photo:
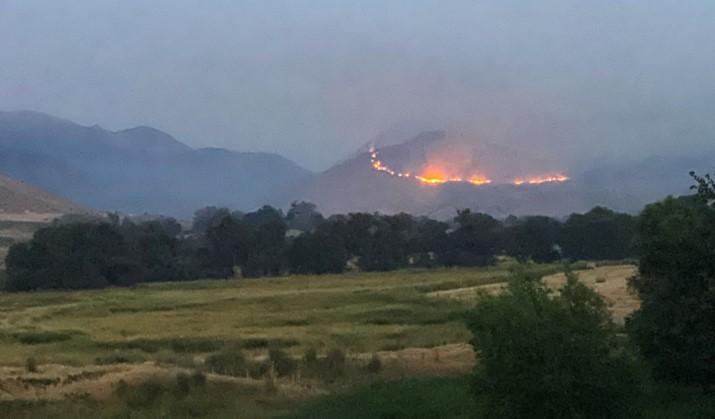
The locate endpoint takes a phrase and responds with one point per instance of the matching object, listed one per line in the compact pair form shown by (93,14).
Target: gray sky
(313,80)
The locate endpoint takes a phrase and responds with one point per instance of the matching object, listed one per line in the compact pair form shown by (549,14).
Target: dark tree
(599,234)
(534,238)
(475,242)
(550,355)
(675,326)
(208,217)
(304,216)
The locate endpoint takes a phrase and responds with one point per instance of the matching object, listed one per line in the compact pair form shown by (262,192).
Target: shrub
(310,357)
(144,394)
(546,355)
(334,364)
(183,384)
(198,378)
(230,361)
(31,364)
(282,363)
(37,338)
(375,364)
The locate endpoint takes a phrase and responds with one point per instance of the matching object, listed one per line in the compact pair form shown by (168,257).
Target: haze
(316,80)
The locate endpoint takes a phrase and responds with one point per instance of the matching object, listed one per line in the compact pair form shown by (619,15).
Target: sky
(314,80)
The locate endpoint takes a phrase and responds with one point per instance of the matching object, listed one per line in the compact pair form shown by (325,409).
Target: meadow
(150,351)
(86,343)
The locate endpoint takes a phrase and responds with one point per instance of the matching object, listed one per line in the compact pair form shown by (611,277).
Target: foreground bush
(675,326)
(550,355)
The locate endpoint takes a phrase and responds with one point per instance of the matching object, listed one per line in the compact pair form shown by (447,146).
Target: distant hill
(353,185)
(138,170)
(17,197)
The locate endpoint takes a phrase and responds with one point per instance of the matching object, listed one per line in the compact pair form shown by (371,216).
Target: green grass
(361,312)
(450,398)
(157,401)
(435,398)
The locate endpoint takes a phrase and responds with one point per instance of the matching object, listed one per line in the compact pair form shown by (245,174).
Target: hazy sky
(313,80)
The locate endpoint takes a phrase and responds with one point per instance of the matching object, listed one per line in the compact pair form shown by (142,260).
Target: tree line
(267,242)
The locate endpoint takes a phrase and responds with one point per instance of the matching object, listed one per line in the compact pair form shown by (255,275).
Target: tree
(600,234)
(705,187)
(320,252)
(304,216)
(228,246)
(549,355)
(533,238)
(208,217)
(475,242)
(675,325)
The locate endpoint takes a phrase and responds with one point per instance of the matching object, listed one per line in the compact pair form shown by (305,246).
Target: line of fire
(434,176)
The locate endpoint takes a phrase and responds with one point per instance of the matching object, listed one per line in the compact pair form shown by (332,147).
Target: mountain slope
(18,197)
(353,185)
(139,169)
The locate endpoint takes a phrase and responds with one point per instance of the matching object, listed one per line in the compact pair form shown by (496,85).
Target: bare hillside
(19,197)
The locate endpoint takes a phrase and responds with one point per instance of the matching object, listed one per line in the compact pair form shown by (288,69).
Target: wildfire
(538,180)
(433,175)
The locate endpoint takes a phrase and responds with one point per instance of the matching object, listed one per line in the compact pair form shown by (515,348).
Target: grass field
(88,344)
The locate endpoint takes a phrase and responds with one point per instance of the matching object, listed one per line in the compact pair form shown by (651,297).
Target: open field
(87,342)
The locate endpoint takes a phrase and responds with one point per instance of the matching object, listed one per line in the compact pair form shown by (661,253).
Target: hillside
(137,170)
(354,185)
(19,197)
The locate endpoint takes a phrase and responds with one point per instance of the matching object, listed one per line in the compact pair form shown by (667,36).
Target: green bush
(31,364)
(37,338)
(282,363)
(675,327)
(230,361)
(375,364)
(550,355)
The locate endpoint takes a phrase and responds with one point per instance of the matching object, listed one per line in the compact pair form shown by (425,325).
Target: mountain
(354,185)
(18,197)
(138,170)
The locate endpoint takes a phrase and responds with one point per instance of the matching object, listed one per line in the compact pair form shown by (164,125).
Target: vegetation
(550,355)
(356,312)
(542,352)
(676,284)
(450,398)
(84,255)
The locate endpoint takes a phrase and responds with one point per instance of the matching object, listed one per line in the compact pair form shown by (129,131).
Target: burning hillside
(456,167)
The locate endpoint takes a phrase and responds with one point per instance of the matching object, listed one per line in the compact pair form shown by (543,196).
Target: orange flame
(436,175)
(538,180)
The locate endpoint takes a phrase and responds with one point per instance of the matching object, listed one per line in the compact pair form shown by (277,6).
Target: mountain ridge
(139,169)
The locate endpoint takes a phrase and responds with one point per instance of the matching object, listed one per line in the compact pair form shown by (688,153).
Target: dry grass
(609,281)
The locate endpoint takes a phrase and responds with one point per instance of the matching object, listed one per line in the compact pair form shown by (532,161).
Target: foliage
(282,363)
(599,234)
(547,355)
(375,365)
(435,398)
(31,364)
(229,361)
(674,327)
(76,256)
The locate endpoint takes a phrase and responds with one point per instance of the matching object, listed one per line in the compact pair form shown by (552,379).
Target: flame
(479,180)
(538,180)
(437,175)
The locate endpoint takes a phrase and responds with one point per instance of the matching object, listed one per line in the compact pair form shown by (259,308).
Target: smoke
(572,81)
